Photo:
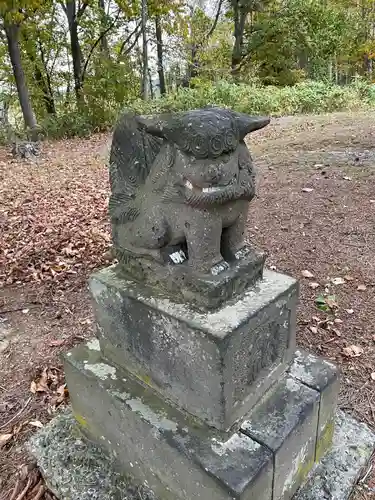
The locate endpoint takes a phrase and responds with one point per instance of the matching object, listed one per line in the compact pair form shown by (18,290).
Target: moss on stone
(324,441)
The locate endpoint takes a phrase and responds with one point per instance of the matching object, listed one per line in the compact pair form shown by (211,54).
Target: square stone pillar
(215,365)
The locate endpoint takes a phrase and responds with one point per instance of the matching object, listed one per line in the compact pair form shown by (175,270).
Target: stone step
(178,455)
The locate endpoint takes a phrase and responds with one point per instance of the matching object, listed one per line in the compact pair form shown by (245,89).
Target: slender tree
(160,53)
(145,77)
(74,13)
(12,18)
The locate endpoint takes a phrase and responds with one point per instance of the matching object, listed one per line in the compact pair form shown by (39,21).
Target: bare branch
(130,48)
(214,24)
(101,36)
(127,39)
(82,9)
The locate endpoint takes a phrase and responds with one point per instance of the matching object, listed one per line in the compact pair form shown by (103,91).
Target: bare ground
(315,212)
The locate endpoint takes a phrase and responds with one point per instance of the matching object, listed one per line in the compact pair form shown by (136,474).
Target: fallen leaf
(313,329)
(314,285)
(352,351)
(62,394)
(86,321)
(307,190)
(337,332)
(307,274)
(331,302)
(338,321)
(362,288)
(349,311)
(347,277)
(372,201)
(320,302)
(338,281)
(40,385)
(347,178)
(318,165)
(323,324)
(373,376)
(57,342)
(25,311)
(4,439)
(36,423)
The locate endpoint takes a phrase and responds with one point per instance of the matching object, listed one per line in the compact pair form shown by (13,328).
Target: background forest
(67,67)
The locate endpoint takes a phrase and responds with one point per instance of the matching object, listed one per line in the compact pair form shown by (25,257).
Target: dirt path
(315,212)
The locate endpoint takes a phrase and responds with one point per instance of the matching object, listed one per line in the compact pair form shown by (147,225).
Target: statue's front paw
(219,268)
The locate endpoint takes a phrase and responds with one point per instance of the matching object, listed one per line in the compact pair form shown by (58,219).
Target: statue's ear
(154,125)
(247,123)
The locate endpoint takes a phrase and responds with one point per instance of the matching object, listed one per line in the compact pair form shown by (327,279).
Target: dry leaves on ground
(50,383)
(53,217)
(29,485)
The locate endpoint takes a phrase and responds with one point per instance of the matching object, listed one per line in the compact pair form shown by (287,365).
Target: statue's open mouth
(211,189)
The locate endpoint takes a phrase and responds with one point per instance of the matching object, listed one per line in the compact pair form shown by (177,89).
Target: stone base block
(322,376)
(214,365)
(182,283)
(179,457)
(75,469)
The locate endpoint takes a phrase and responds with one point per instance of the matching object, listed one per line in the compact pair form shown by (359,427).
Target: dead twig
(25,490)
(16,309)
(16,415)
(14,493)
(40,493)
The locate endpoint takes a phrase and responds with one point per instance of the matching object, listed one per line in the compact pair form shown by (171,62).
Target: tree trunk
(12,34)
(159,48)
(151,87)
(42,82)
(104,40)
(145,86)
(71,13)
(239,25)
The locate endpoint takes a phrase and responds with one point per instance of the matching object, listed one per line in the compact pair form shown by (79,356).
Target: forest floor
(314,214)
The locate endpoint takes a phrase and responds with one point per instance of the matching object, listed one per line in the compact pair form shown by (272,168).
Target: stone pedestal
(203,404)
(214,365)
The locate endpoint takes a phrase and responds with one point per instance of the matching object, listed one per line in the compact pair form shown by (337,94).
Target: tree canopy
(90,57)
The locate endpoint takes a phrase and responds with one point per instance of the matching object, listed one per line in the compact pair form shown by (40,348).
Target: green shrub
(305,97)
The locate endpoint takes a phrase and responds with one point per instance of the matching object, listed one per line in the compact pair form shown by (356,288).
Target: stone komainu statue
(181,185)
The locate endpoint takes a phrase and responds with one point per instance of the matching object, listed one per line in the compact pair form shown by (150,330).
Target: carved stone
(181,186)
(192,384)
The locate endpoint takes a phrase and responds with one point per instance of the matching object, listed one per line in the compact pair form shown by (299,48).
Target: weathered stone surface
(178,457)
(337,473)
(181,186)
(76,469)
(215,365)
(323,376)
(286,423)
(203,292)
